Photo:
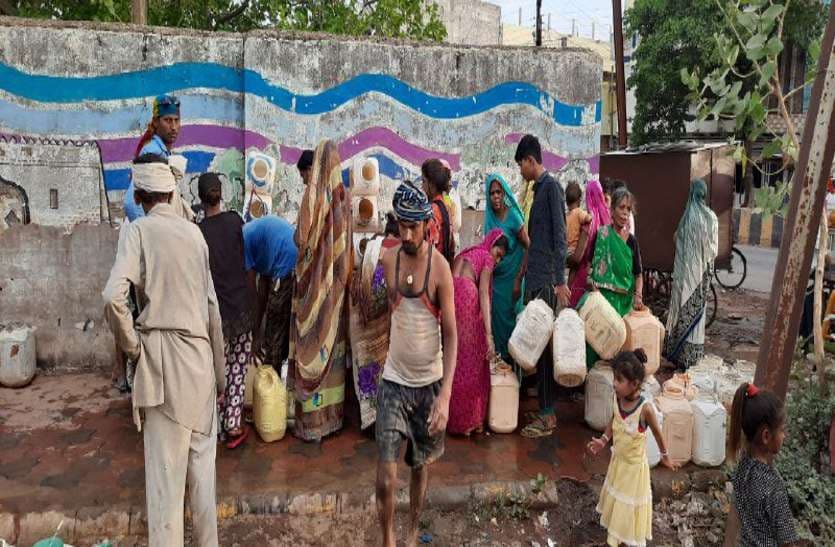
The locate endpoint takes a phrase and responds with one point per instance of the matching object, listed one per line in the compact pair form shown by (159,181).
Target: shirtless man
(413,397)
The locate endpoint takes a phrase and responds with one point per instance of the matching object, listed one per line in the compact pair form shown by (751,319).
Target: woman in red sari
(472,274)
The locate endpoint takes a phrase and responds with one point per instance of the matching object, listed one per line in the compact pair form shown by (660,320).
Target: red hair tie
(752,391)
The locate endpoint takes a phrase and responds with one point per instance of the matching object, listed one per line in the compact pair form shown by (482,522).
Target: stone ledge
(87,524)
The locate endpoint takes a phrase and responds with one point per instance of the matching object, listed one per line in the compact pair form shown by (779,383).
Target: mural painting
(372,105)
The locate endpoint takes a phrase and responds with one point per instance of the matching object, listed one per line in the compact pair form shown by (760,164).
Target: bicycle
(734,275)
(658,287)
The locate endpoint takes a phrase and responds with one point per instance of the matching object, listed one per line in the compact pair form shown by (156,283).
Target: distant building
(515,35)
(471,22)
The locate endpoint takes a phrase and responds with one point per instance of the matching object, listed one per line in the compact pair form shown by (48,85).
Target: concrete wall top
(278,93)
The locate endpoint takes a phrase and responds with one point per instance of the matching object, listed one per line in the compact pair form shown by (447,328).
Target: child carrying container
(625,504)
(760,509)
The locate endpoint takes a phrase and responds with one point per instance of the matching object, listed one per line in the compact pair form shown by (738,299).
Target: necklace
(410,279)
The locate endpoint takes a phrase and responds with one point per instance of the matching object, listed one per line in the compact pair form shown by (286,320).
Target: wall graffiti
(398,104)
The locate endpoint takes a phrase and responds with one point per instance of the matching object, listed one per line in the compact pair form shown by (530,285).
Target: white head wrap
(153,177)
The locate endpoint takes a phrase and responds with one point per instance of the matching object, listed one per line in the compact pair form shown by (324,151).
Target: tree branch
(232,14)
(795,90)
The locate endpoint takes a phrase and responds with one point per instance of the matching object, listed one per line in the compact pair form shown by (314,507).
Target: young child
(576,216)
(625,504)
(761,502)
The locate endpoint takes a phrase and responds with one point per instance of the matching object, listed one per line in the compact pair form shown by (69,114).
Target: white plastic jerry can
(709,431)
(600,393)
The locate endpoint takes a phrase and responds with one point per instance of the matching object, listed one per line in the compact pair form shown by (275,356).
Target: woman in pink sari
(472,273)
(580,261)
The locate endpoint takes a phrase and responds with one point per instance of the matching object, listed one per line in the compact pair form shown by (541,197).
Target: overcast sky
(562,12)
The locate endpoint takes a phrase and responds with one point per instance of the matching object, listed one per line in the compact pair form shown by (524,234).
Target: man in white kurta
(177,345)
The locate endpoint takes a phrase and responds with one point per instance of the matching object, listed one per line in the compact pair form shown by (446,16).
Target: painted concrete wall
(62,181)
(402,103)
(53,280)
(278,94)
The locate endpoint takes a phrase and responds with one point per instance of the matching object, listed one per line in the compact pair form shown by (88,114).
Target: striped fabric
(322,270)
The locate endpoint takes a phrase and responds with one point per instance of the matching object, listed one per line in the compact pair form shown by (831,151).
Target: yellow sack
(269,404)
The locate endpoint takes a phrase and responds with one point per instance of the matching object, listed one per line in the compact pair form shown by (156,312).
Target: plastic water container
(709,433)
(650,388)
(605,329)
(366,177)
(653,452)
(704,383)
(682,381)
(645,331)
(600,394)
(531,334)
(17,356)
(678,422)
(569,346)
(503,410)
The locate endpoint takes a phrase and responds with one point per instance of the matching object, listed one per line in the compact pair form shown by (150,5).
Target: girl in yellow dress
(625,504)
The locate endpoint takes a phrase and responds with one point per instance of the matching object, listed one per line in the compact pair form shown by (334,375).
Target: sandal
(235,442)
(538,429)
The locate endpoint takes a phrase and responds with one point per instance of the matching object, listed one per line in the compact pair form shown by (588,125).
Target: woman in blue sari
(503,211)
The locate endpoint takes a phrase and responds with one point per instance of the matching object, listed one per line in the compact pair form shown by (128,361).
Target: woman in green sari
(616,269)
(503,211)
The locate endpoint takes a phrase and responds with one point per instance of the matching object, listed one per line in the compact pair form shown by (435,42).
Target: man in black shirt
(545,275)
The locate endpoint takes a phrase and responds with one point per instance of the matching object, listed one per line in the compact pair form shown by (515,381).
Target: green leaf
(774,47)
(732,55)
(773,12)
(747,19)
(757,112)
(769,69)
(772,149)
(719,107)
(757,41)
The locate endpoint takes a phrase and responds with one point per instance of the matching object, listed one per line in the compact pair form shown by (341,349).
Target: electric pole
(620,82)
(538,22)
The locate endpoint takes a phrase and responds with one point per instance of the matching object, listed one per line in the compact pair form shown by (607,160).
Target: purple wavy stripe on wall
(551,161)
(594,163)
(216,136)
(383,137)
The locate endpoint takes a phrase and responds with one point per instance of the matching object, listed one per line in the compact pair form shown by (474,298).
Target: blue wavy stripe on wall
(132,118)
(119,179)
(179,76)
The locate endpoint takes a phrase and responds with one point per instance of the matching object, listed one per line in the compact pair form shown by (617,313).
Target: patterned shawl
(322,270)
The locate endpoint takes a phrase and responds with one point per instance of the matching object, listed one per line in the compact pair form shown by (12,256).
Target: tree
(748,88)
(384,18)
(677,34)
(674,35)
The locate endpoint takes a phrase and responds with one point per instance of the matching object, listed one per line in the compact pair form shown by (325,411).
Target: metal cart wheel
(734,276)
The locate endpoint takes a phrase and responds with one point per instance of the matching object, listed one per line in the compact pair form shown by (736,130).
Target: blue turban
(410,203)
(166,105)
